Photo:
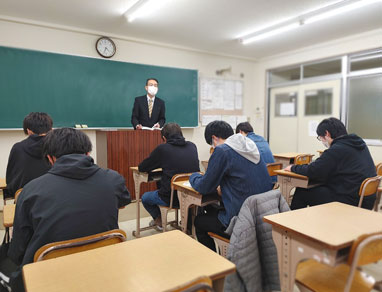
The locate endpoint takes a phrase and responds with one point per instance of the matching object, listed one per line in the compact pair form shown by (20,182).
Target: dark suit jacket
(140,113)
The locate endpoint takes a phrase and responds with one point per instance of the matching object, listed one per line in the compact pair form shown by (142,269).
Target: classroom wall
(22,33)
(339,47)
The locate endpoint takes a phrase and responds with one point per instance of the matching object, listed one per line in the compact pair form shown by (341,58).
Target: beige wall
(365,41)
(66,40)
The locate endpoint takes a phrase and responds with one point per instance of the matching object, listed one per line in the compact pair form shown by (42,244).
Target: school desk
(154,263)
(289,180)
(139,178)
(286,158)
(324,233)
(189,197)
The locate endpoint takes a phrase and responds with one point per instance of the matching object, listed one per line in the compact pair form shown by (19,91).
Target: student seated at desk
(266,154)
(175,156)
(341,169)
(25,159)
(236,166)
(75,198)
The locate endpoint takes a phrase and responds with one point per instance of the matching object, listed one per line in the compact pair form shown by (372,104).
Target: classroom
(274,64)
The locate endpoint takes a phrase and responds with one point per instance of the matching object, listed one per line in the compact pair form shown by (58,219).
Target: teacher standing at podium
(149,110)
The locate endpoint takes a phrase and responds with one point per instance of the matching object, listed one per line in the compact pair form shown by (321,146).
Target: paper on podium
(151,129)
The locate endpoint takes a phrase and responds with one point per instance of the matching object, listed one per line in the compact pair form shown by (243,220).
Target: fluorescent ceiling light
(143,8)
(256,36)
(306,18)
(340,10)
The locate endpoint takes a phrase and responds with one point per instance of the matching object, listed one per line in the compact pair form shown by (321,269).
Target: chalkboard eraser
(77,126)
(84,126)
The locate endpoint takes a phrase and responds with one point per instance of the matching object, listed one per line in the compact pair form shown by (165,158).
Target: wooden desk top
(9,215)
(154,263)
(184,185)
(335,225)
(135,168)
(3,184)
(290,174)
(288,155)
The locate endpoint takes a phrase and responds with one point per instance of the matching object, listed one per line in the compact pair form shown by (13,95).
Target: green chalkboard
(96,92)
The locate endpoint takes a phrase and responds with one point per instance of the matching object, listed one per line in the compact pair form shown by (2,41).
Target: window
(322,68)
(285,75)
(365,104)
(286,104)
(318,102)
(366,61)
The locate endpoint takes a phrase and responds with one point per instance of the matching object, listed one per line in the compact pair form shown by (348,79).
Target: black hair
(334,126)
(245,127)
(38,123)
(147,81)
(64,141)
(170,130)
(219,129)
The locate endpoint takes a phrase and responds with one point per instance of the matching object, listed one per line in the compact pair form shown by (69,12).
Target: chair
(379,193)
(165,209)
(274,166)
(303,159)
(316,276)
(221,242)
(368,187)
(200,284)
(271,171)
(17,194)
(66,247)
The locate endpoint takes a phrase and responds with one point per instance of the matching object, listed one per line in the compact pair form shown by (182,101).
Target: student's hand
(156,125)
(138,127)
(219,190)
(288,168)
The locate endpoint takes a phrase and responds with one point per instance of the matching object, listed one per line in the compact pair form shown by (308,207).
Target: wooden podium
(126,148)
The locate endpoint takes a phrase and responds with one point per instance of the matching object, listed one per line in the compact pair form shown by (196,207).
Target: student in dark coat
(341,169)
(25,161)
(175,156)
(75,198)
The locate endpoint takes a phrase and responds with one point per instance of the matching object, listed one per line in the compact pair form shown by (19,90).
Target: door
(293,120)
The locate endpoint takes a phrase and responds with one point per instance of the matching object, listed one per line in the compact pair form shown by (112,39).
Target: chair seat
(320,277)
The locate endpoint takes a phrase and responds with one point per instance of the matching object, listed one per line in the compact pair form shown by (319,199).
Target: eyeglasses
(319,138)
(152,84)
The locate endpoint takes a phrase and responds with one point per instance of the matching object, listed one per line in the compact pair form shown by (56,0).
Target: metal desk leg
(184,206)
(137,186)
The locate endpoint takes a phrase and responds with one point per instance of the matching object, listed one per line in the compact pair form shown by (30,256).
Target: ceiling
(207,25)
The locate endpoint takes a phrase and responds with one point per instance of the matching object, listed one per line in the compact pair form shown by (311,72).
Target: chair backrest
(17,194)
(303,159)
(175,178)
(365,250)
(66,247)
(368,187)
(200,284)
(274,166)
(379,168)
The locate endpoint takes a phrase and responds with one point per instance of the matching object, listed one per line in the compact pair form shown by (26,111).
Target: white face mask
(152,90)
(326,144)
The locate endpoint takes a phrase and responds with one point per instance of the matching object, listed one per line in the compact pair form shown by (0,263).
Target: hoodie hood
(33,146)
(351,140)
(76,166)
(176,140)
(244,146)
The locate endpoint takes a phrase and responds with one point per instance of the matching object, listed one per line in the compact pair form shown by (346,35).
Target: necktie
(150,106)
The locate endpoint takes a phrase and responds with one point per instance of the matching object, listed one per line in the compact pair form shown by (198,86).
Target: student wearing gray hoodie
(236,167)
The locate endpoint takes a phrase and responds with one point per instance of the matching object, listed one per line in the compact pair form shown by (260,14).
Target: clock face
(105,47)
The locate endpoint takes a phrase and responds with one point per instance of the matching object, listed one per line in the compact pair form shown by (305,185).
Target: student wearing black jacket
(341,169)
(175,156)
(75,198)
(25,160)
